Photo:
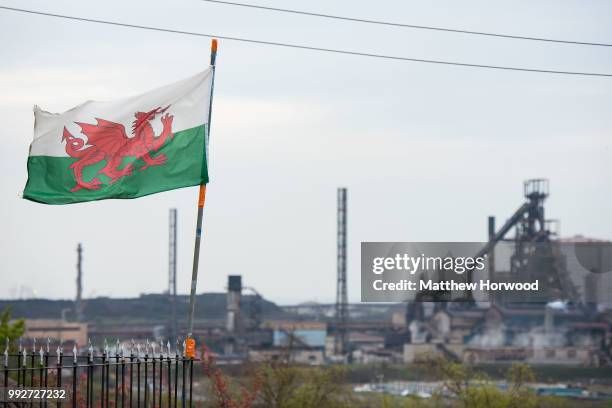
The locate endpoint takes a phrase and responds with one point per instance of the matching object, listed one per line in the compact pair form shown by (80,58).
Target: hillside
(146,308)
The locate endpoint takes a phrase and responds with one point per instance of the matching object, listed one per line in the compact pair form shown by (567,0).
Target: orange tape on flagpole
(202,197)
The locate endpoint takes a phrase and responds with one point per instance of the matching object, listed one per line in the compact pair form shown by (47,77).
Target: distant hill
(146,308)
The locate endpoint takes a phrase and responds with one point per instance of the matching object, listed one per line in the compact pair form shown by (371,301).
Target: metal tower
(172,326)
(78,304)
(341,339)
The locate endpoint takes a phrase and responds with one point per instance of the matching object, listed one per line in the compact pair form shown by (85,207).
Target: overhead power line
(305,47)
(420,27)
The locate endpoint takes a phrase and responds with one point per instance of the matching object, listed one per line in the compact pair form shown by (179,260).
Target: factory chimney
(491,254)
(78,304)
(172,230)
(234,291)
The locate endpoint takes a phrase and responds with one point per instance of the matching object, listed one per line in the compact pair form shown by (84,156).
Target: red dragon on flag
(108,141)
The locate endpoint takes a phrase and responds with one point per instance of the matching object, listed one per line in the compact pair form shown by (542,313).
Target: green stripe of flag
(51,178)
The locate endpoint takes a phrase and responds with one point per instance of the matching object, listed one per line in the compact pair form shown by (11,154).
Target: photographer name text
(451,285)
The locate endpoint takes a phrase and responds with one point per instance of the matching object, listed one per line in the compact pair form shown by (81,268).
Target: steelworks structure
(535,256)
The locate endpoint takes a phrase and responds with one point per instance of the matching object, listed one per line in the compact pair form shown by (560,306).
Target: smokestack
(172,230)
(234,291)
(78,304)
(491,253)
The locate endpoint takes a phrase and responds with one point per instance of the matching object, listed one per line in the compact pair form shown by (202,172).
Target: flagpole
(201,200)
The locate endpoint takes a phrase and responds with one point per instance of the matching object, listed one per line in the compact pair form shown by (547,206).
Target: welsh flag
(126,148)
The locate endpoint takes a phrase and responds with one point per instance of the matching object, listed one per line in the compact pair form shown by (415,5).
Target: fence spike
(25,356)
(153,349)
(132,346)
(90,349)
(116,347)
(6,355)
(59,354)
(147,346)
(168,347)
(105,346)
(48,345)
(74,353)
(34,345)
(6,343)
(42,354)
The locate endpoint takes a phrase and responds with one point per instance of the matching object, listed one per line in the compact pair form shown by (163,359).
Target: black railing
(112,378)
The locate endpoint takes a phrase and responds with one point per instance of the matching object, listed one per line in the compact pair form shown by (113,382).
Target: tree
(286,386)
(321,388)
(10,330)
(473,389)
(223,395)
(519,375)
(279,384)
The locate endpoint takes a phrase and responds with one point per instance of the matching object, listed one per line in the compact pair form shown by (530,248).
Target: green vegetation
(289,386)
(8,330)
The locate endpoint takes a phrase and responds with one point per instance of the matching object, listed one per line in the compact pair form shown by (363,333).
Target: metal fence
(143,376)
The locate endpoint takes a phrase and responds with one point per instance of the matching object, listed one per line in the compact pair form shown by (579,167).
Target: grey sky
(426,151)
